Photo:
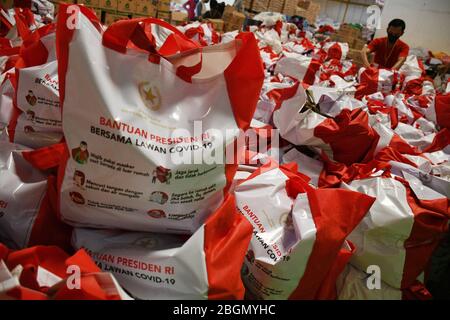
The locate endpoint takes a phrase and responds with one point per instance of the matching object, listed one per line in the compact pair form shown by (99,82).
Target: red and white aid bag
(336,50)
(43,273)
(37,122)
(27,201)
(7,93)
(302,68)
(352,284)
(372,80)
(347,138)
(202,33)
(131,122)
(292,254)
(162,266)
(401,230)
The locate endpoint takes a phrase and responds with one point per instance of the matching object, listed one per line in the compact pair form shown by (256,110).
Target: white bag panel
(178,267)
(22,189)
(283,236)
(380,237)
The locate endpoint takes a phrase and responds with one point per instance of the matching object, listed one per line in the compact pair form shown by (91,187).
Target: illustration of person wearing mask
(163,175)
(81,154)
(30,115)
(31,98)
(79,178)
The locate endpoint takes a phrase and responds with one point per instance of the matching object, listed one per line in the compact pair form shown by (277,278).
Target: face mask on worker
(392,37)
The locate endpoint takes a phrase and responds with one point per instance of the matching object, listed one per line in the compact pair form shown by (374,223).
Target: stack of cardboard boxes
(163,10)
(145,8)
(247,4)
(356,56)
(275,6)
(233,20)
(7,4)
(128,6)
(353,37)
(114,10)
(260,5)
(308,10)
(178,17)
(290,6)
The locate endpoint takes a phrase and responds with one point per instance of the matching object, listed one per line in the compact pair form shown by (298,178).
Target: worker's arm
(365,52)
(399,63)
(402,57)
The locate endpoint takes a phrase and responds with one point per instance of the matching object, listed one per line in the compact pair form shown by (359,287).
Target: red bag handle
(32,51)
(133,33)
(46,157)
(24,19)
(118,35)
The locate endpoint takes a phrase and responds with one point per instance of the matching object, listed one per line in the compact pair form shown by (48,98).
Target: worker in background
(215,10)
(189,6)
(200,9)
(390,52)
(239,5)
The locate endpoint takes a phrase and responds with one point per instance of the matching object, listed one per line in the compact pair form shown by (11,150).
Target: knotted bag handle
(133,33)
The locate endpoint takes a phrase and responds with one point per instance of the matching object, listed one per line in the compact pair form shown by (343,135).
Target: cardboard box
(231,27)
(228,13)
(345,33)
(7,4)
(308,15)
(348,30)
(218,24)
(90,3)
(304,4)
(260,5)
(108,5)
(355,56)
(290,7)
(178,17)
(358,44)
(111,18)
(275,6)
(235,18)
(343,38)
(234,21)
(337,38)
(314,7)
(163,5)
(247,4)
(164,15)
(309,10)
(98,13)
(228,10)
(126,5)
(146,8)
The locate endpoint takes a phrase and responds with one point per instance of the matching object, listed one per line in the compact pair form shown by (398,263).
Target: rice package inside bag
(145,126)
(298,246)
(162,266)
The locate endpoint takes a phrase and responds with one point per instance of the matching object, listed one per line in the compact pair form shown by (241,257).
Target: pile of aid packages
(147,161)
